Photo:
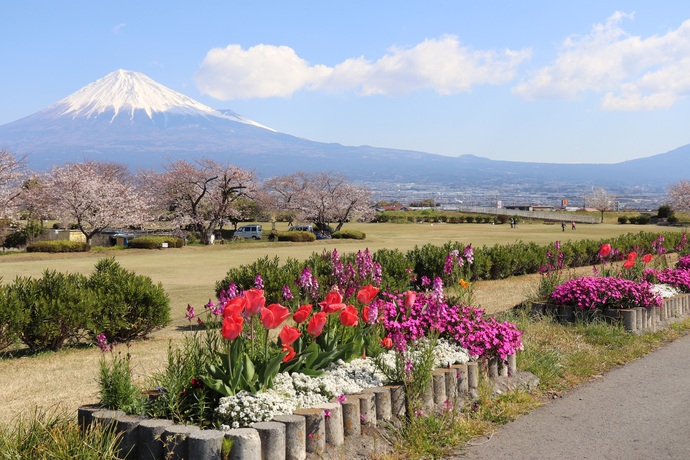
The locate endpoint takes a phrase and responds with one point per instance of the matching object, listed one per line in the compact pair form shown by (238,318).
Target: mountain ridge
(128,117)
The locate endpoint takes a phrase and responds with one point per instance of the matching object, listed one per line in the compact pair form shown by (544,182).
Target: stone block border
(634,320)
(311,432)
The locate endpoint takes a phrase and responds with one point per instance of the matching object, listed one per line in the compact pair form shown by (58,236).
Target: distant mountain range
(127,117)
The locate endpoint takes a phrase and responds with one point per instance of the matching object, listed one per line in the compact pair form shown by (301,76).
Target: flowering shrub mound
(683,262)
(410,316)
(678,278)
(589,293)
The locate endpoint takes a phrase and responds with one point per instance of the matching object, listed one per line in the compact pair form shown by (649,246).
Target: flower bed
(249,361)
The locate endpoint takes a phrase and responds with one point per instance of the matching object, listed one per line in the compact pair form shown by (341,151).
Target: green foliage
(275,275)
(56,435)
(58,246)
(665,211)
(643,219)
(395,268)
(57,308)
(14,318)
(155,242)
(296,236)
(632,219)
(672,219)
(349,234)
(622,219)
(127,306)
(182,396)
(15,239)
(117,390)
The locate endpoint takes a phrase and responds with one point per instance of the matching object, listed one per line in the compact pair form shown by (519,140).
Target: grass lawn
(189,275)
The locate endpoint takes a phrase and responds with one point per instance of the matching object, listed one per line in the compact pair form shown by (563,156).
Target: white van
(249,231)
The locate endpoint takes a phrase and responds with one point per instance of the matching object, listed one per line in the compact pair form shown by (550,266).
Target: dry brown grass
(189,275)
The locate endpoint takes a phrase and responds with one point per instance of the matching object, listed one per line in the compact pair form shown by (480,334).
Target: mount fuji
(128,118)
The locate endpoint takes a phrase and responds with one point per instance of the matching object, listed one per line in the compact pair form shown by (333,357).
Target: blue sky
(543,81)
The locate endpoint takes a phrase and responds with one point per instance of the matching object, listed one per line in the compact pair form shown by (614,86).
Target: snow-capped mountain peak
(124,93)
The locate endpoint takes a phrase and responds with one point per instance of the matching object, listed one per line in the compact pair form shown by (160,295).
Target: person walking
(563,226)
(573,225)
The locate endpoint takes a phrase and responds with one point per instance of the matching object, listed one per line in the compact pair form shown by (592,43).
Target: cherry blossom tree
(601,200)
(199,194)
(12,174)
(321,198)
(93,196)
(679,194)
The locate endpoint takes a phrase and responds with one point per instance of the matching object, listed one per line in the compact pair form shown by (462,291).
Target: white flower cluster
(665,291)
(246,408)
(294,391)
(447,353)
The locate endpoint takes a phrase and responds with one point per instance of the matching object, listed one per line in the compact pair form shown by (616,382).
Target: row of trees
(199,195)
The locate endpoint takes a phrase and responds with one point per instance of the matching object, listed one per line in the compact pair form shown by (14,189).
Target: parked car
(249,231)
(301,228)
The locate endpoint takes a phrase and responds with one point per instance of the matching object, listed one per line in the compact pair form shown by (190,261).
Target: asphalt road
(638,411)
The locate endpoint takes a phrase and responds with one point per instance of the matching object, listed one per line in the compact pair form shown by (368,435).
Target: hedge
(295,236)
(58,246)
(402,271)
(155,242)
(349,234)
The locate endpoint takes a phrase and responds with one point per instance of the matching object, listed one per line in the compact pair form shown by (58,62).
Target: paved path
(639,411)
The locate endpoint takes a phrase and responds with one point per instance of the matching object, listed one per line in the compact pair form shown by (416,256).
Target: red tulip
(333,303)
(629,264)
(647,258)
(349,316)
(232,326)
(316,324)
(365,313)
(605,250)
(387,343)
(367,294)
(274,315)
(234,307)
(302,313)
(632,256)
(410,297)
(291,353)
(255,301)
(288,335)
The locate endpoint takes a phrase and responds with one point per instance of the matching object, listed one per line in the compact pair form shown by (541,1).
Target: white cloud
(443,65)
(632,73)
(261,71)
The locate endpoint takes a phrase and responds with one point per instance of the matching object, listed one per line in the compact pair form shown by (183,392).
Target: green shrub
(672,220)
(58,246)
(665,211)
(155,242)
(297,237)
(349,234)
(394,267)
(14,318)
(632,219)
(57,306)
(15,240)
(643,219)
(128,306)
(622,219)
(502,218)
(274,274)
